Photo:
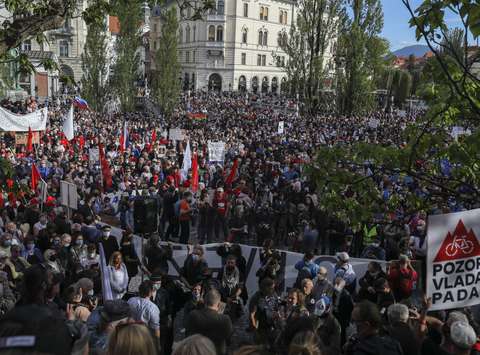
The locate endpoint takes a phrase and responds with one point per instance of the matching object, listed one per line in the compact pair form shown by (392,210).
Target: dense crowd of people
(55,264)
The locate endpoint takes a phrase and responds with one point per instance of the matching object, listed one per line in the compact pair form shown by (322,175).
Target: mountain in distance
(417,50)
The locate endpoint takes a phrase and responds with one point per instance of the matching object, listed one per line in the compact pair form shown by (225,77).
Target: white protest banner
(216,151)
(176,134)
(12,122)
(281,127)
(68,194)
(453,260)
(93,156)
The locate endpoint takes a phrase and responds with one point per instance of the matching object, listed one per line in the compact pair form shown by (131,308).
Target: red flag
(36,177)
(2,202)
(81,142)
(107,176)
(152,140)
(194,183)
(232,174)
(30,140)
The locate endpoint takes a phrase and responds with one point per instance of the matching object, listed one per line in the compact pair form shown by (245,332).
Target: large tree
(309,45)
(361,51)
(126,73)
(440,167)
(95,67)
(166,83)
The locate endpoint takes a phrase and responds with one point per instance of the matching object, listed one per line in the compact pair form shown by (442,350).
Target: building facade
(235,47)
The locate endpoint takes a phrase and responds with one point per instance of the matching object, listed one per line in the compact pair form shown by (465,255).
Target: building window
(265,38)
(180,35)
(262,38)
(219,33)
(154,45)
(259,59)
(282,18)
(244,36)
(264,60)
(194,33)
(27,45)
(244,58)
(285,21)
(187,57)
(211,33)
(245,10)
(263,13)
(282,39)
(63,48)
(280,61)
(194,54)
(220,7)
(187,34)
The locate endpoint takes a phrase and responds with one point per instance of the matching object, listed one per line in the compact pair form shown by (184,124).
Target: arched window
(180,35)
(282,39)
(194,33)
(221,7)
(244,36)
(265,14)
(280,17)
(285,18)
(262,10)
(219,33)
(242,84)
(245,10)
(63,48)
(211,33)
(265,38)
(260,38)
(187,34)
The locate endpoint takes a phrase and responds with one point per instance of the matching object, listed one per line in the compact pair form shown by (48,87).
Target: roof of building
(113,25)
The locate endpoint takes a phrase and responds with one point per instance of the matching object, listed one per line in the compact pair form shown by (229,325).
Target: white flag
(68,125)
(187,161)
(43,191)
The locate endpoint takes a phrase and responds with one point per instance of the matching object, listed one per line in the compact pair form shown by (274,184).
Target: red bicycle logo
(459,244)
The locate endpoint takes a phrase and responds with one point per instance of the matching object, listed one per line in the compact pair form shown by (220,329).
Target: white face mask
(106,234)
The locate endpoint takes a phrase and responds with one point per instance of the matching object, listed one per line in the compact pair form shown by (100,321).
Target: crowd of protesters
(51,272)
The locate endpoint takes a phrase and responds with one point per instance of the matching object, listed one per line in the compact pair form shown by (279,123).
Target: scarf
(230,280)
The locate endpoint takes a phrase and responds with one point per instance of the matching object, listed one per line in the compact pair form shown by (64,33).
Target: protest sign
(281,127)
(162,151)
(22,138)
(68,194)
(176,134)
(93,156)
(453,260)
(216,151)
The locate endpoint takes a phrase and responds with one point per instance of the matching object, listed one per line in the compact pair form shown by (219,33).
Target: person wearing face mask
(50,257)
(231,288)
(109,242)
(40,225)
(374,251)
(6,243)
(194,267)
(322,286)
(369,282)
(31,253)
(307,268)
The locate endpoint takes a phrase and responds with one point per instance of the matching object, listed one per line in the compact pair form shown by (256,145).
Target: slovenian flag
(80,103)
(124,143)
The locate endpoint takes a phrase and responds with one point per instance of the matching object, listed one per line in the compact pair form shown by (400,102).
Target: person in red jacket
(220,207)
(402,278)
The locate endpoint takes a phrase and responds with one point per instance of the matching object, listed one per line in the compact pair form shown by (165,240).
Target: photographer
(231,288)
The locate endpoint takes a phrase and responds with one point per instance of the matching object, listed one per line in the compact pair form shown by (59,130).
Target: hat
(462,335)
(156,277)
(106,228)
(322,306)
(343,256)
(115,310)
(220,189)
(85,284)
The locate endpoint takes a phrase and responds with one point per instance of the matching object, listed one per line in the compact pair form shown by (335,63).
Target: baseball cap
(462,335)
(343,256)
(322,306)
